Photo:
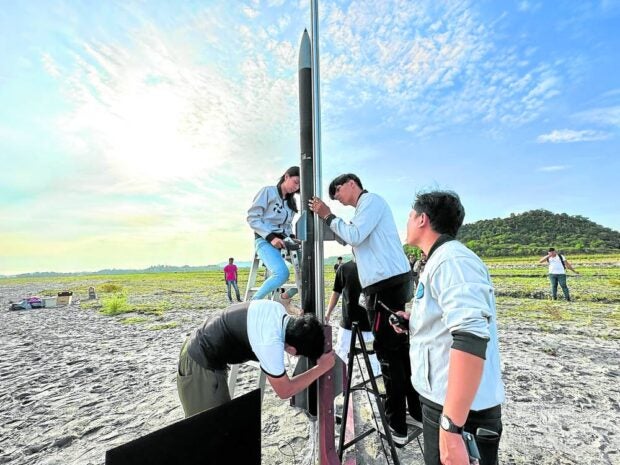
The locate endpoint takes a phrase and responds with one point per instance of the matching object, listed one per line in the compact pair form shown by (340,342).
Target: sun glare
(151,134)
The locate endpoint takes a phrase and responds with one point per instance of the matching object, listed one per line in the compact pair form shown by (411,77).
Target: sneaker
(282,298)
(413,422)
(400,440)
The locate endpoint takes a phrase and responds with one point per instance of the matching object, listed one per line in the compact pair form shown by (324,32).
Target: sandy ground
(74,383)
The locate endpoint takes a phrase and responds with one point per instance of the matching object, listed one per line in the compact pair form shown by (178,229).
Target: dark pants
(488,444)
(561,280)
(393,353)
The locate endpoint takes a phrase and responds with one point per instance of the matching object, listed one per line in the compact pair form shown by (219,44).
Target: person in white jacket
(385,276)
(271,219)
(455,361)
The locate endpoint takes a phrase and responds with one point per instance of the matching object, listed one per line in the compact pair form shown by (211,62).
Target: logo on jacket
(278,208)
(419,293)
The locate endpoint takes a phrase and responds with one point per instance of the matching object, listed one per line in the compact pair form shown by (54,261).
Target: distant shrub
(108,288)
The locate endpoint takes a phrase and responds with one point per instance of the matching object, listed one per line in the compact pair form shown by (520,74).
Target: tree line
(533,232)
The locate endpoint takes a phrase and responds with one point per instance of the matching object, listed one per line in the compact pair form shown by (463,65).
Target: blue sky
(136,133)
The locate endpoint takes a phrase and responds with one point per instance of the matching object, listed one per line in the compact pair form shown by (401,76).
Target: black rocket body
(308,259)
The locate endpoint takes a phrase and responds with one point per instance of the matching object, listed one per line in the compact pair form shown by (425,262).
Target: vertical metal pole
(325,410)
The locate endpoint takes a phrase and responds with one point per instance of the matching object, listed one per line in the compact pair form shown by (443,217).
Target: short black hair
(551,249)
(339,258)
(305,334)
(444,210)
(340,180)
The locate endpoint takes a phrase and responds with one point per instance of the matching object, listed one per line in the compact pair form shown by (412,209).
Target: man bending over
(259,330)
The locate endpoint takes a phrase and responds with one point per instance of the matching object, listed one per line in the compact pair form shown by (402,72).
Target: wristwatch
(447,425)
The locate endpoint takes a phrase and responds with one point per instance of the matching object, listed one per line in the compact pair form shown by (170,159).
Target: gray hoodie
(270,216)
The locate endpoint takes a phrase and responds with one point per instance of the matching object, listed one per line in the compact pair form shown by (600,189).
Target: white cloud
(605,116)
(559,136)
(433,65)
(50,65)
(250,12)
(162,126)
(147,109)
(553,168)
(527,6)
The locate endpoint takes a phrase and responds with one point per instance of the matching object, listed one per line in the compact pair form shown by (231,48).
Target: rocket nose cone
(305,51)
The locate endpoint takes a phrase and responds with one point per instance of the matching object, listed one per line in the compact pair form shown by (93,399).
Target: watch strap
(448,425)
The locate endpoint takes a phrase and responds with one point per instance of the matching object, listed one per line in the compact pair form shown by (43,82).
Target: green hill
(533,232)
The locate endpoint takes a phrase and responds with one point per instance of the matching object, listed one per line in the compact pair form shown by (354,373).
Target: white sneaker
(413,422)
(400,440)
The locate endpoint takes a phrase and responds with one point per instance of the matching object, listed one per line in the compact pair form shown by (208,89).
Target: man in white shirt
(455,360)
(259,330)
(557,272)
(385,275)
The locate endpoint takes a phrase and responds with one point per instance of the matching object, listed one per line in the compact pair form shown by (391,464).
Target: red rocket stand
(327,393)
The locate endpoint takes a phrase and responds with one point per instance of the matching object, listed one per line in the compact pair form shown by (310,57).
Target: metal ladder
(290,255)
(357,348)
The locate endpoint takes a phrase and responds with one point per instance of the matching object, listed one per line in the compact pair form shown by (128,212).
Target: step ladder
(290,254)
(358,348)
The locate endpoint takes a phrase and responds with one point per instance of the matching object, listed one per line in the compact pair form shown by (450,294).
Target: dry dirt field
(75,382)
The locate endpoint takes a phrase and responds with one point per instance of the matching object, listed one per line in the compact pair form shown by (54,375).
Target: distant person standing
(338,264)
(557,272)
(347,284)
(230,275)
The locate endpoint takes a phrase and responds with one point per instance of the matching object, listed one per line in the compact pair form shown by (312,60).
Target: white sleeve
(362,224)
(271,358)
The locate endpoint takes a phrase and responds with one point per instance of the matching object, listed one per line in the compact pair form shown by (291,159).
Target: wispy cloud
(605,116)
(559,136)
(528,6)
(432,65)
(553,168)
(151,111)
(250,12)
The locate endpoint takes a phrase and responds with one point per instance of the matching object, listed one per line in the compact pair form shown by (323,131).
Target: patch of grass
(169,325)
(89,304)
(109,288)
(593,318)
(522,290)
(132,320)
(48,293)
(115,305)
(157,309)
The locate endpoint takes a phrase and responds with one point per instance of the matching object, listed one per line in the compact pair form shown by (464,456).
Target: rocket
(318,399)
(307,399)
(306,142)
